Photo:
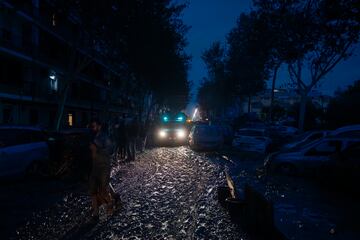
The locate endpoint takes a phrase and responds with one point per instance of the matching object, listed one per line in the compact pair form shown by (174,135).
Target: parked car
(347,131)
(227,132)
(205,137)
(252,140)
(22,149)
(343,169)
(284,131)
(305,138)
(308,159)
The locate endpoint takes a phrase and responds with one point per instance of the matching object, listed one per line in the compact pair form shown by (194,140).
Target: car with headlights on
(171,129)
(205,137)
(171,134)
(309,159)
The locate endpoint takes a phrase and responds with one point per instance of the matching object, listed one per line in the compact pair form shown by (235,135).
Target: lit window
(53,20)
(53,81)
(70,119)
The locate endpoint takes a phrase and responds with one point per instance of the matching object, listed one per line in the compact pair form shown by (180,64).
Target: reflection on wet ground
(169,193)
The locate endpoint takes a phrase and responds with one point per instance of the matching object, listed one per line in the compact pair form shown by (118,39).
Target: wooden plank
(231,185)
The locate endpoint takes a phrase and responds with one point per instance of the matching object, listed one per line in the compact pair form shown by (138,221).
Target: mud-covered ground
(168,193)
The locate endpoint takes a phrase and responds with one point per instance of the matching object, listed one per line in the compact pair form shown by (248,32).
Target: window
(6,34)
(53,20)
(53,79)
(70,119)
(7,115)
(34,117)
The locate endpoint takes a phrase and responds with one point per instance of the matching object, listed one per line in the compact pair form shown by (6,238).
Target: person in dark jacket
(99,180)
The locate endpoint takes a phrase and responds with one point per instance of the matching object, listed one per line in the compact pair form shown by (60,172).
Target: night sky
(211,20)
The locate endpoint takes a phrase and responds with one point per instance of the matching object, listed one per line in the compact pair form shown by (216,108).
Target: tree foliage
(317,35)
(143,41)
(341,108)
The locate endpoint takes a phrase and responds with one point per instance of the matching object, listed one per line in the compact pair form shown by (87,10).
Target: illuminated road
(168,193)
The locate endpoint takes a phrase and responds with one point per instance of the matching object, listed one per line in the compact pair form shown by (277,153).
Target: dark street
(168,193)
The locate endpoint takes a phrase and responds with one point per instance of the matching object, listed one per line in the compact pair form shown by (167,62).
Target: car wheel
(286,169)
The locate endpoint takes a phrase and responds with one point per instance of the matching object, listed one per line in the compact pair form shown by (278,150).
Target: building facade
(35,49)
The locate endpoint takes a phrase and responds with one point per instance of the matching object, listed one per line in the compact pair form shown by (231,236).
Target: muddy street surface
(167,193)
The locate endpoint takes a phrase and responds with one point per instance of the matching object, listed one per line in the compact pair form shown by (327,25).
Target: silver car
(307,159)
(251,140)
(206,137)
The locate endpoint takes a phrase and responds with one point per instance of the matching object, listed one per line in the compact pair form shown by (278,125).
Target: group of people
(121,142)
(125,132)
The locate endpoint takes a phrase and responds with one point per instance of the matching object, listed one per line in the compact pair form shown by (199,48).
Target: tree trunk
(270,117)
(302,111)
(249,104)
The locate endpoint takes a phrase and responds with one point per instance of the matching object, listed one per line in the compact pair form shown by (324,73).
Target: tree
(215,89)
(246,60)
(320,34)
(341,109)
(142,41)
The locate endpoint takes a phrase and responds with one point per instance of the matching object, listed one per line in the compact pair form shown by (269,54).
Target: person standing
(99,180)
(122,138)
(131,133)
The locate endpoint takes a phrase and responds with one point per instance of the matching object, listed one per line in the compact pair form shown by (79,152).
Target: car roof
(348,128)
(33,128)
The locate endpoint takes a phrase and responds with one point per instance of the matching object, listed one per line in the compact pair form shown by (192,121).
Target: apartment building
(34,61)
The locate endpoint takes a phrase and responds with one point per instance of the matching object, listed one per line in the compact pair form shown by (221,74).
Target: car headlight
(181,133)
(162,133)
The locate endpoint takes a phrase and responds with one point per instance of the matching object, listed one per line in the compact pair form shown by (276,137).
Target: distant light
(194,115)
(165,119)
(179,119)
(276,90)
(53,81)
